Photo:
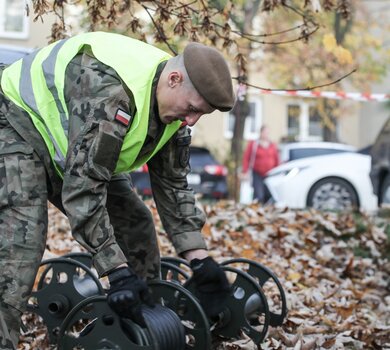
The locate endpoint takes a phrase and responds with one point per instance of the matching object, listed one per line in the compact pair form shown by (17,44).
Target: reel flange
(173,273)
(177,323)
(63,284)
(92,325)
(84,258)
(175,269)
(270,285)
(246,308)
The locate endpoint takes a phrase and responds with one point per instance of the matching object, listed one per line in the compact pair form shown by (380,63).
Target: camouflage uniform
(106,216)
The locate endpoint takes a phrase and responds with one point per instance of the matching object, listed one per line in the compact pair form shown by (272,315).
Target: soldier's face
(176,101)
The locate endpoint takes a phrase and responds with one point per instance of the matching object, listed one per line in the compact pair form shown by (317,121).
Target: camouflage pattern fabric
(94,93)
(134,227)
(23,222)
(180,214)
(95,140)
(106,215)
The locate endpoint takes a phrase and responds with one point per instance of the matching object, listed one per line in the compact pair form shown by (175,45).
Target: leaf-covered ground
(335,270)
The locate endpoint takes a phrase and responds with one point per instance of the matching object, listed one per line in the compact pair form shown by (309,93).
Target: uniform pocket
(104,152)
(185,202)
(24,180)
(7,148)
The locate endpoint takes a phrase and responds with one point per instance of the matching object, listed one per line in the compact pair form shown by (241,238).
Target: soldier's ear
(175,78)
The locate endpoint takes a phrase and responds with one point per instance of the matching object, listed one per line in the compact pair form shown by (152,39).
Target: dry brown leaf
(336,298)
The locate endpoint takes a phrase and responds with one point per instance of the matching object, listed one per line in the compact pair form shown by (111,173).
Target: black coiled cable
(166,327)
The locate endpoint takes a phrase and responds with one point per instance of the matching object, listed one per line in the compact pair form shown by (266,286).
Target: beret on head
(209,73)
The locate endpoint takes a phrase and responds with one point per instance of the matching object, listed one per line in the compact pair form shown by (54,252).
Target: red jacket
(265,159)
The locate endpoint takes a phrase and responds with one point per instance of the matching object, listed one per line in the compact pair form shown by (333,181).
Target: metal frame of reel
(77,315)
(172,270)
(263,275)
(246,308)
(74,322)
(67,287)
(177,322)
(260,274)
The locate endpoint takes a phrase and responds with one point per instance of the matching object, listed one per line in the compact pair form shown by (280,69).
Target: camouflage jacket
(93,93)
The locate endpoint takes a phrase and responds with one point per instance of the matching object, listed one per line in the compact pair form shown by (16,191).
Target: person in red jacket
(260,156)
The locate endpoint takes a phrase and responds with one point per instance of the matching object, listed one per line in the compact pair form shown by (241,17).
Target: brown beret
(209,73)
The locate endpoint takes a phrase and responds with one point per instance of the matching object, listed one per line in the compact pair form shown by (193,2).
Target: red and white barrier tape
(341,95)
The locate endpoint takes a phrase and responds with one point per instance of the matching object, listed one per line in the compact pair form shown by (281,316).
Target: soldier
(75,118)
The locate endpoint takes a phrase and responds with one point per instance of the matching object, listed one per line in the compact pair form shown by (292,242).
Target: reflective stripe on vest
(40,91)
(27,95)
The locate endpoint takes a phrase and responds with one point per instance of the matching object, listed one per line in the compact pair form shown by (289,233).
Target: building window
(304,122)
(315,125)
(13,19)
(252,121)
(293,115)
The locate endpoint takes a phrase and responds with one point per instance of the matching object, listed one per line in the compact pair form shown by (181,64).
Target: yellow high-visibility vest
(36,84)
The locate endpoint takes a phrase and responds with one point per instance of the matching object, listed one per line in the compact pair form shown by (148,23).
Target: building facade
(19,29)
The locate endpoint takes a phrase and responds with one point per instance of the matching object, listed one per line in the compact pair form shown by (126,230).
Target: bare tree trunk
(240,112)
(241,109)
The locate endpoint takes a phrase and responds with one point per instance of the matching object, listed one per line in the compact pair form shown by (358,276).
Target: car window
(200,159)
(312,152)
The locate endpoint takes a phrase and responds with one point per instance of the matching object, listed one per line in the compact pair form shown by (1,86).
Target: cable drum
(165,326)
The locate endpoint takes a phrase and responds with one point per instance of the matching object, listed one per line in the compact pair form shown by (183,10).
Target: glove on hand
(127,293)
(211,286)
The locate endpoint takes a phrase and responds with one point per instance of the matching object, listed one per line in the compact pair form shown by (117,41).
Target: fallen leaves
(334,269)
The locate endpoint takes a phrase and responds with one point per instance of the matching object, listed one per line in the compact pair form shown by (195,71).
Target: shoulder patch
(122,117)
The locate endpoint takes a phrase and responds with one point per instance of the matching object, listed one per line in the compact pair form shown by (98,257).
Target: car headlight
(287,172)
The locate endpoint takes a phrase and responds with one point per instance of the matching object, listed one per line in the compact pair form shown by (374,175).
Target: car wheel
(332,194)
(385,190)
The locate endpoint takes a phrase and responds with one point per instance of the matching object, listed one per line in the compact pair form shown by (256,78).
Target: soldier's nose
(192,119)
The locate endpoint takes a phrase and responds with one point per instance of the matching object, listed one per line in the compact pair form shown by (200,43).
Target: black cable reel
(247,308)
(92,325)
(270,285)
(73,305)
(63,283)
(176,322)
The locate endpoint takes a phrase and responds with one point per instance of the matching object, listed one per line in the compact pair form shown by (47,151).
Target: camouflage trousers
(23,228)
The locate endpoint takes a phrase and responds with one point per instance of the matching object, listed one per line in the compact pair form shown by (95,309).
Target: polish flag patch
(122,117)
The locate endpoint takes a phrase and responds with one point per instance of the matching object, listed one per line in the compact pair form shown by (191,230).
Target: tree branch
(162,34)
(241,81)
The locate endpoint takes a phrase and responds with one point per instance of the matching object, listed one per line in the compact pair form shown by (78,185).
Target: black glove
(127,293)
(211,286)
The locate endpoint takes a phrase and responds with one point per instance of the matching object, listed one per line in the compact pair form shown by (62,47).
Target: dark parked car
(207,177)
(380,165)
(10,54)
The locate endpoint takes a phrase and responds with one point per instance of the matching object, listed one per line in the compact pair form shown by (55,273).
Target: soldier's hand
(127,293)
(211,286)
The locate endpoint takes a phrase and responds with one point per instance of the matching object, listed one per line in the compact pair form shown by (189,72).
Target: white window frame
(12,34)
(258,117)
(304,121)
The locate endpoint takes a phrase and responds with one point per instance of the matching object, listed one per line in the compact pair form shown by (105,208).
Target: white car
(330,182)
(297,150)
